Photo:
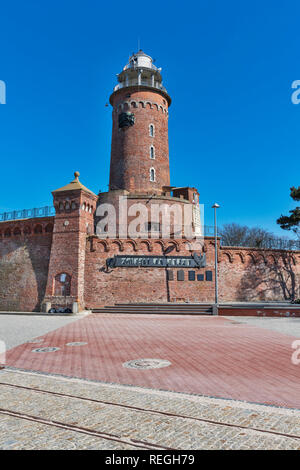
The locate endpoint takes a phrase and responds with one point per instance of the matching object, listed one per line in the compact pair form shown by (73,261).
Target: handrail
(33,213)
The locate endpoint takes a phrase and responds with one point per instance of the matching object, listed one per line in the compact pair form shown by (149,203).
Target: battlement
(26,227)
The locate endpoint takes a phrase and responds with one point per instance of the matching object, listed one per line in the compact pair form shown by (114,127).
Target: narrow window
(151,130)
(38,229)
(152,174)
(152,155)
(153,227)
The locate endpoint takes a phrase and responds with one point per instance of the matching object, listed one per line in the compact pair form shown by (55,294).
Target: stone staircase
(161,309)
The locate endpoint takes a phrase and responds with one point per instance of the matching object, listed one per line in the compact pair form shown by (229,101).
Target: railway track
(141,444)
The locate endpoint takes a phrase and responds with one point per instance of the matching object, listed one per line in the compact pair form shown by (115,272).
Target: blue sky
(228,66)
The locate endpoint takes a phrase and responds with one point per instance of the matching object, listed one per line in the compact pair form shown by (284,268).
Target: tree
(292,222)
(255,237)
(241,235)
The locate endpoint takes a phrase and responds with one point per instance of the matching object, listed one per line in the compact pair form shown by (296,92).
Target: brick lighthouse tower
(139,166)
(140,149)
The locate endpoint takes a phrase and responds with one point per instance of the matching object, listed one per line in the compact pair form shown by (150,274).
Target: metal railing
(280,244)
(144,82)
(45,211)
(268,244)
(209,230)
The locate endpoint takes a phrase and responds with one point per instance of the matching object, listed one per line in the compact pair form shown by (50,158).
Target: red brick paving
(209,356)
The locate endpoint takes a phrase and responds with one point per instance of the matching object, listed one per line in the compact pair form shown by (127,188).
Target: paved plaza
(207,383)
(212,356)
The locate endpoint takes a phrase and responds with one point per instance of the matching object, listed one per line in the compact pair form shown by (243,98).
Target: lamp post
(215,207)
(165,253)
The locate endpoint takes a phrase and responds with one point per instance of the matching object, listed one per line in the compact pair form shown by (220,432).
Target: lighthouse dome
(140,59)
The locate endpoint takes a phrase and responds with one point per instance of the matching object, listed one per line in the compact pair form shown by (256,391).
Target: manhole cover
(41,350)
(146,364)
(76,343)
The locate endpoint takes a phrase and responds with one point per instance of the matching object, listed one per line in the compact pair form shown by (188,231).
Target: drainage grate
(76,343)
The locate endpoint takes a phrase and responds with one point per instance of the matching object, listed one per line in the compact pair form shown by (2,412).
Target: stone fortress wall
(25,247)
(245,274)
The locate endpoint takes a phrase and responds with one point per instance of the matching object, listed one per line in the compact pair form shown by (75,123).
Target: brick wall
(238,274)
(130,146)
(260,311)
(249,274)
(24,258)
(141,284)
(244,274)
(153,208)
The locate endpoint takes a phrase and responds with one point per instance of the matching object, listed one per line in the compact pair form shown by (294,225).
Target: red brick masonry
(262,311)
(26,248)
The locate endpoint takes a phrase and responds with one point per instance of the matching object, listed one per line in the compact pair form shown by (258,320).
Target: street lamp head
(215,206)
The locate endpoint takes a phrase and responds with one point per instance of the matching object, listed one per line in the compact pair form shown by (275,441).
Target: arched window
(38,229)
(152,153)
(151,130)
(49,228)
(152,174)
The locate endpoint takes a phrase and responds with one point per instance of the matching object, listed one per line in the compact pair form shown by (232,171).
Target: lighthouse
(139,164)
(139,146)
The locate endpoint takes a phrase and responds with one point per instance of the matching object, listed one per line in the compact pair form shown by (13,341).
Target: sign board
(132,261)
